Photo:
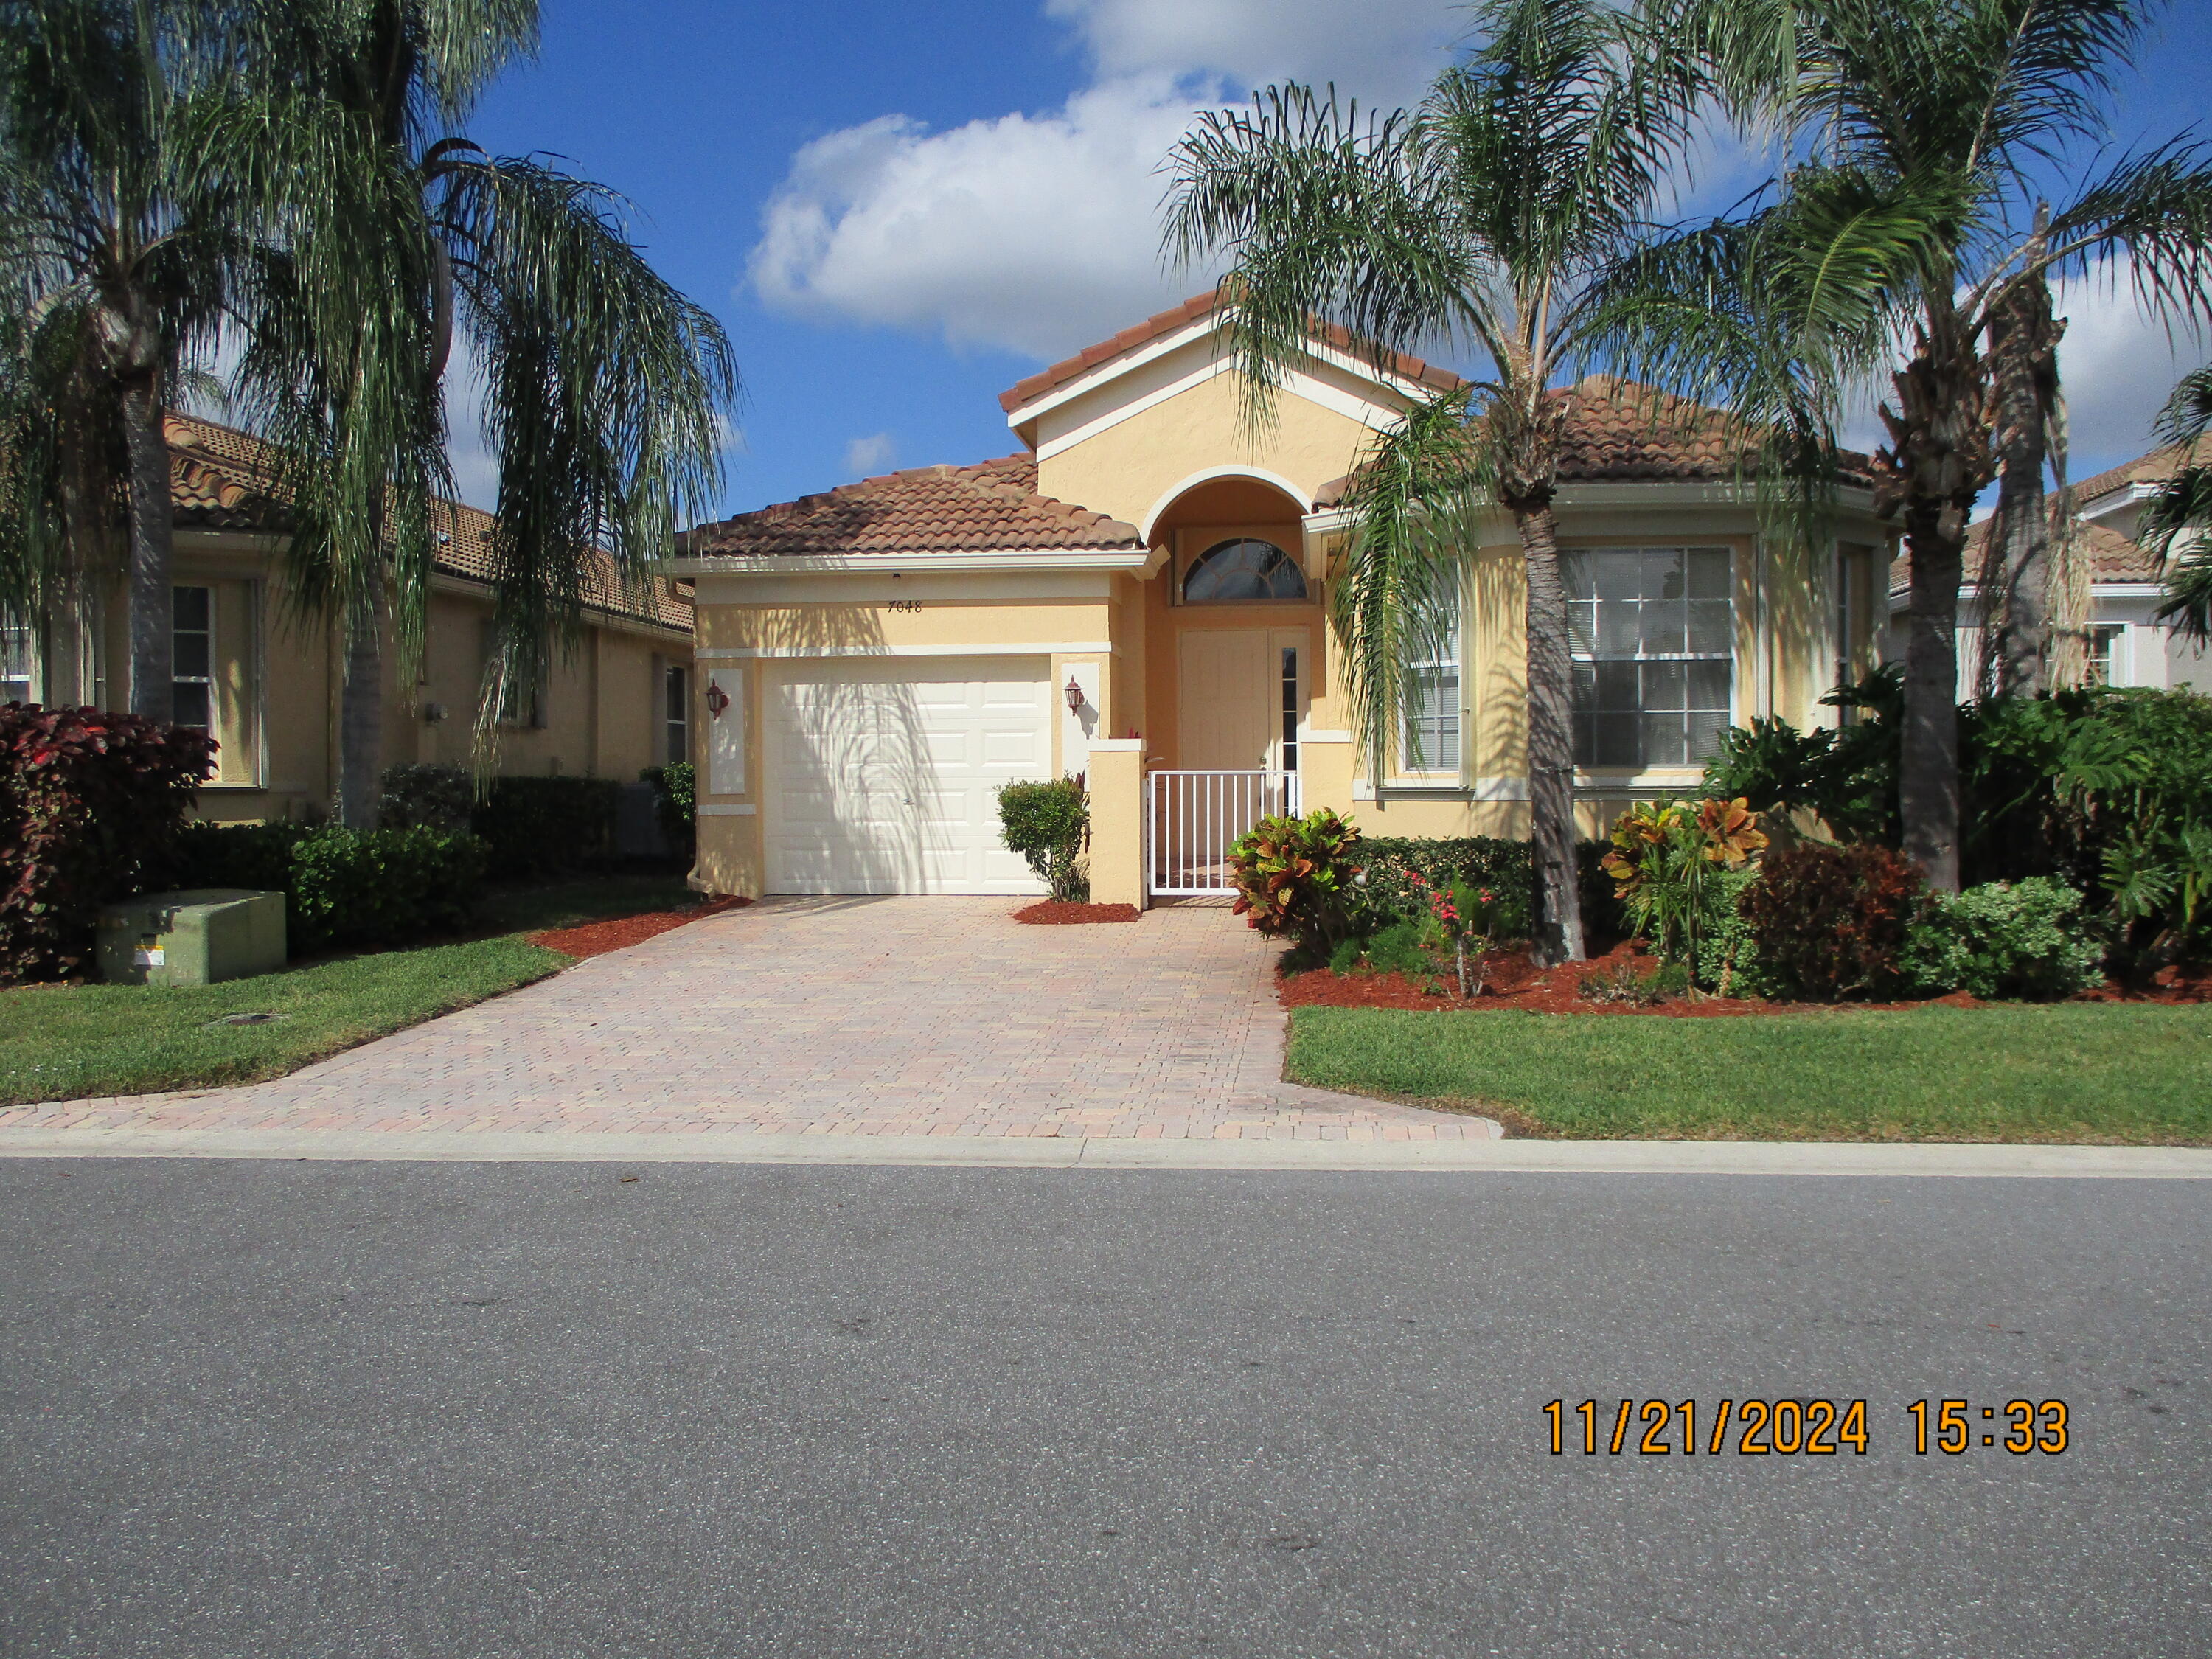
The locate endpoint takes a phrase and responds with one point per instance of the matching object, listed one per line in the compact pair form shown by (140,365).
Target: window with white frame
(676,705)
(18,665)
(1651,630)
(2106,652)
(192,651)
(1433,705)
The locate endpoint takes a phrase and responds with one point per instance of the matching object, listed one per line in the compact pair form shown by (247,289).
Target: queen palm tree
(1480,220)
(115,267)
(394,236)
(2179,518)
(1900,242)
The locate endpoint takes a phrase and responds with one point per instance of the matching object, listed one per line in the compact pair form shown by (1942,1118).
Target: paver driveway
(879,1016)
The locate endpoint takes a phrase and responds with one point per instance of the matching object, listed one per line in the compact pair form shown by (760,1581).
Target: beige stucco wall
(1132,467)
(277,688)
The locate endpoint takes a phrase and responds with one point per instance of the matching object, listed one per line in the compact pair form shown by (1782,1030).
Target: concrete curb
(1502,1157)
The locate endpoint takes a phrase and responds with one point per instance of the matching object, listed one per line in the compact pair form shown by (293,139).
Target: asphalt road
(303,1409)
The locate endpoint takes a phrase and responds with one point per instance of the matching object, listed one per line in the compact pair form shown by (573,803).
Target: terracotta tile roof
(1622,432)
(992,504)
(2154,468)
(1166,322)
(2113,556)
(219,479)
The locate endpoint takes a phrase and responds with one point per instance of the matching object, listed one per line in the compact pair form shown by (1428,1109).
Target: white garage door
(883,776)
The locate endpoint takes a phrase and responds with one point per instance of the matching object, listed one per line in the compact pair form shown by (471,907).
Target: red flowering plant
(1464,921)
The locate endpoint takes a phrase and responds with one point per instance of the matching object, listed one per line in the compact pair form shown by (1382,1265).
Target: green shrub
(1294,878)
(547,826)
(1832,921)
(1846,775)
(1049,823)
(1727,954)
(1388,864)
(416,797)
(1666,861)
(2025,938)
(352,888)
(341,887)
(1397,949)
(675,802)
(89,800)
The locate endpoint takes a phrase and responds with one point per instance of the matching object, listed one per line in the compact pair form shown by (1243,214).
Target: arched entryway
(1233,634)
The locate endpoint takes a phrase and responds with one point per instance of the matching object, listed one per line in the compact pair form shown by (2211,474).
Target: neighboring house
(2127,646)
(1140,595)
(264,680)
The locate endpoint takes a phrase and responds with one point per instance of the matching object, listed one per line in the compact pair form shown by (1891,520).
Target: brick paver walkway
(840,1015)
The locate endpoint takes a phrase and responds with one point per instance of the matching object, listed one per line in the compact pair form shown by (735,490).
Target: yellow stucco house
(1139,594)
(266,681)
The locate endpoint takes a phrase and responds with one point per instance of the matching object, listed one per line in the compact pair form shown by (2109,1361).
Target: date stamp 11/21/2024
(1787,1428)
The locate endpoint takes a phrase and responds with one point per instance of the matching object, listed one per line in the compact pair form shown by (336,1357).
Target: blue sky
(900,210)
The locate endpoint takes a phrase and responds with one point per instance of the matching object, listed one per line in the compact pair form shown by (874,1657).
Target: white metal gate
(1191,817)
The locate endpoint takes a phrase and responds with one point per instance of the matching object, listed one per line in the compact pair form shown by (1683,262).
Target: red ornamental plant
(1467,918)
(87,799)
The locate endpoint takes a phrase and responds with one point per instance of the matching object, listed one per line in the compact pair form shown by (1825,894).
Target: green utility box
(194,937)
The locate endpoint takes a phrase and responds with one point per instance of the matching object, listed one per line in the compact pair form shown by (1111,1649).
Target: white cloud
(869,454)
(1035,234)
(2118,365)
(1386,51)
(1038,233)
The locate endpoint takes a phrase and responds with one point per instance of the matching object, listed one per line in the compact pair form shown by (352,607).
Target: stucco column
(1116,781)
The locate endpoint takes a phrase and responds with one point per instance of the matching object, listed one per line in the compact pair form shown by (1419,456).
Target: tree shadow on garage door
(856,799)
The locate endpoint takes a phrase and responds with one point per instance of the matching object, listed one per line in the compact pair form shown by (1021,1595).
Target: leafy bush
(383,886)
(1624,982)
(88,800)
(1666,861)
(440,797)
(1727,955)
(2023,938)
(547,826)
(675,800)
(1048,824)
(1391,865)
(1398,949)
(341,887)
(1846,775)
(1833,921)
(1294,879)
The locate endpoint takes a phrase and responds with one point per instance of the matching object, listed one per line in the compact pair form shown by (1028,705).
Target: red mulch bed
(1048,913)
(595,938)
(1516,982)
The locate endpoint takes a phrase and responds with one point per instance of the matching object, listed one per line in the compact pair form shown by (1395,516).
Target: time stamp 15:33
(1810,1428)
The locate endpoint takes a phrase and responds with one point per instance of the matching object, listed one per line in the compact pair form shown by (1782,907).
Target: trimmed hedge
(547,826)
(421,797)
(88,799)
(1508,868)
(342,888)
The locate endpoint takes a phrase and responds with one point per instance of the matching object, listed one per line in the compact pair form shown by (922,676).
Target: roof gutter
(1138,560)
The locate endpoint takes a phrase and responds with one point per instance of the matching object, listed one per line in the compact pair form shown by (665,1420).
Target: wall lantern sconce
(717,699)
(1074,695)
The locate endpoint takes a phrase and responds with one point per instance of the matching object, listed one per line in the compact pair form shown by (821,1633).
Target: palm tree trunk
(360,712)
(152,598)
(1939,459)
(2015,574)
(1559,930)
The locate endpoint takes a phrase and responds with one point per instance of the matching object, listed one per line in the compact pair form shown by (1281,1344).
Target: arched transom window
(1242,569)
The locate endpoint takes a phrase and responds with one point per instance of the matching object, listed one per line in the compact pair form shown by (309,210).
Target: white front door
(883,776)
(1224,714)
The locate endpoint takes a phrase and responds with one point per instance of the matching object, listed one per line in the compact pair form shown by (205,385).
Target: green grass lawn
(2074,1073)
(61,1041)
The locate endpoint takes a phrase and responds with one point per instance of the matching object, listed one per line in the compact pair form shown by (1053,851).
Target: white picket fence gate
(1191,817)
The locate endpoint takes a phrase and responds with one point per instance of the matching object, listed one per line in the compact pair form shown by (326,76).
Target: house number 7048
(905,605)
